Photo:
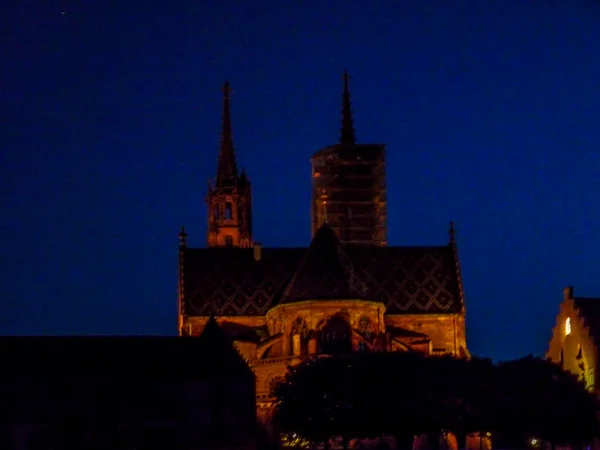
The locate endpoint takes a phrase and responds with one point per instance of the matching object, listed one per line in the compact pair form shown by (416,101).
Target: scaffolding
(349,193)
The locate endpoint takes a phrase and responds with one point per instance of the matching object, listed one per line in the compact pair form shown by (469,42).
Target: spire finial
(182,237)
(227,168)
(347,132)
(452,233)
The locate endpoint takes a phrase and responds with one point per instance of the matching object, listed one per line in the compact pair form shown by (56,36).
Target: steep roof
(325,272)
(219,354)
(230,282)
(209,356)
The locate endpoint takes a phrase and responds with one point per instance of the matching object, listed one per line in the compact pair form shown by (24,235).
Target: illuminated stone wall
(446,331)
(571,344)
(229,218)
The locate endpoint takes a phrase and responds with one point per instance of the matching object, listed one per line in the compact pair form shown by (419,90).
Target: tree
(305,399)
(536,398)
(405,394)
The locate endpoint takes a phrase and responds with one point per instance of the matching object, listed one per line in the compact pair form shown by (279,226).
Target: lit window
(568,326)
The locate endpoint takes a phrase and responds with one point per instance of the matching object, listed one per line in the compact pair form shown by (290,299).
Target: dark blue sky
(110,128)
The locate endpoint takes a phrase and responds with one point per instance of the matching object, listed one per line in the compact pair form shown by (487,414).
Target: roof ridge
(326,271)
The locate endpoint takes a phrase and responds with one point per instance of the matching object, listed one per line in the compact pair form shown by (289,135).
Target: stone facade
(574,342)
(269,359)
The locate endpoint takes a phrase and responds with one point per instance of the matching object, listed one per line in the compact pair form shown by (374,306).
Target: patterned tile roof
(325,272)
(230,282)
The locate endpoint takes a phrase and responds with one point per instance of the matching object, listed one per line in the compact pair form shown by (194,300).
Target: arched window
(299,328)
(228,211)
(336,336)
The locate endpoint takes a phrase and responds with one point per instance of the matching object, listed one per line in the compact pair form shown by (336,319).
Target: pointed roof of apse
(347,131)
(227,171)
(325,272)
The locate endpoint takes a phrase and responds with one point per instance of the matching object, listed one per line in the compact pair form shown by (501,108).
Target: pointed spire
(227,168)
(452,233)
(182,237)
(243,180)
(347,132)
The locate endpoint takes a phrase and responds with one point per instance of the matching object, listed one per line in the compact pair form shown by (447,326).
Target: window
(561,358)
(229,241)
(228,211)
(568,326)
(299,328)
(336,336)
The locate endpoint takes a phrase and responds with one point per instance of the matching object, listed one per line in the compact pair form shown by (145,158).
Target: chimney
(568,293)
(257,251)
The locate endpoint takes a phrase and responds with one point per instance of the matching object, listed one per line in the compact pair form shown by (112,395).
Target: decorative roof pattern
(230,282)
(325,272)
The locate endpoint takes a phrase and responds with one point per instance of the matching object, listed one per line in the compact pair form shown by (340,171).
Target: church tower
(348,186)
(229,199)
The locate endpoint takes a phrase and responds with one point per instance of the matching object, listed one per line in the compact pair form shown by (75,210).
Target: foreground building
(347,291)
(126,393)
(576,337)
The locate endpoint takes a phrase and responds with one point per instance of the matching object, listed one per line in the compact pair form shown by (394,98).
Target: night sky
(110,118)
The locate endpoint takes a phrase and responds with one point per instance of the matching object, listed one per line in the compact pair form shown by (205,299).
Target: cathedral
(347,291)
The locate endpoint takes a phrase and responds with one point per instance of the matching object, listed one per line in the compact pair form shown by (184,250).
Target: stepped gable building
(575,341)
(347,291)
(126,392)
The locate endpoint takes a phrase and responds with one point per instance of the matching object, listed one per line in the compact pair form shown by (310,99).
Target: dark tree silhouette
(405,394)
(536,398)
(305,400)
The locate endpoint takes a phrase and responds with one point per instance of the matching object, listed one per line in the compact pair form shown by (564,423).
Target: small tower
(229,200)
